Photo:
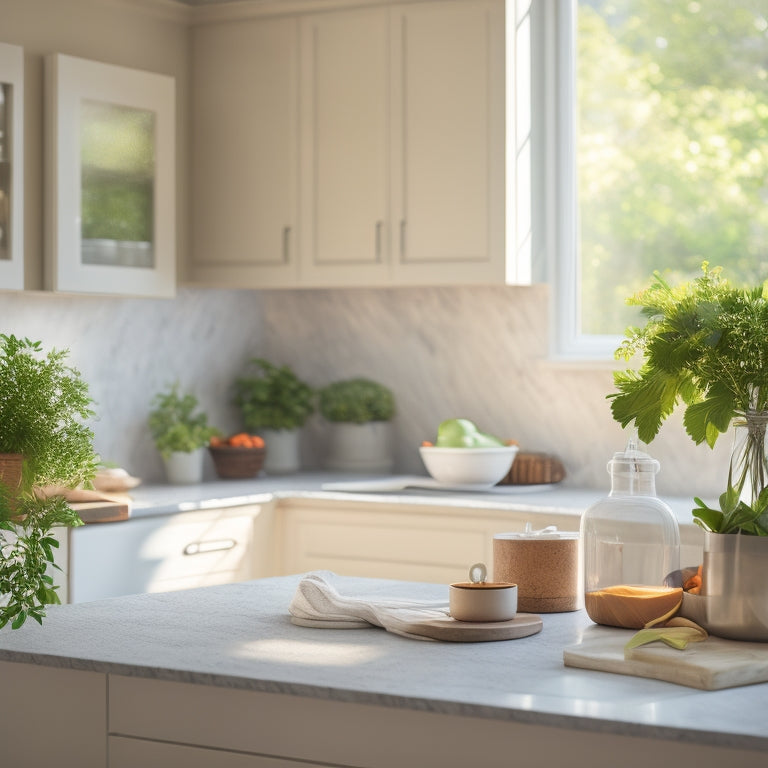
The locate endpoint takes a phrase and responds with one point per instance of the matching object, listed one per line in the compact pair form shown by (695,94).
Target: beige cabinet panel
(52,717)
(130,753)
(160,554)
(245,154)
(395,541)
(448,142)
(345,149)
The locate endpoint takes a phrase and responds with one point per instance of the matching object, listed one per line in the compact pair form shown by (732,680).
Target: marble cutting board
(711,665)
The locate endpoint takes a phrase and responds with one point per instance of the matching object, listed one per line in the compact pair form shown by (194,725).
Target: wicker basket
(534,469)
(233,463)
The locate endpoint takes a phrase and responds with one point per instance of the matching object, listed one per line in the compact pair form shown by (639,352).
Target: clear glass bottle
(631,537)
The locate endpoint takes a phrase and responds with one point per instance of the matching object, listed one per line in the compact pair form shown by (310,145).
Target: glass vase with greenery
(44,410)
(272,397)
(705,344)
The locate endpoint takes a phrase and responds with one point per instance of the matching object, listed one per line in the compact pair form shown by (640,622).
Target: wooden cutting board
(711,665)
(102,511)
(451,630)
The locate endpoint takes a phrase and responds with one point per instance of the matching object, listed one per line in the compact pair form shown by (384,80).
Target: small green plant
(273,398)
(356,401)
(705,344)
(176,423)
(44,408)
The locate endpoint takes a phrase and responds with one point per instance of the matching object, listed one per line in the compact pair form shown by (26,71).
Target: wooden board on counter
(102,511)
(711,665)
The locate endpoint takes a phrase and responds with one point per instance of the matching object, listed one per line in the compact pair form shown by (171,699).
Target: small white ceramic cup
(483,601)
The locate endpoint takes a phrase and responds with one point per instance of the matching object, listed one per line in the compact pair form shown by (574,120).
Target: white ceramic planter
(185,468)
(735,586)
(360,447)
(283,451)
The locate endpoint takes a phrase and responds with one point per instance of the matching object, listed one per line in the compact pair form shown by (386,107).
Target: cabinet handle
(203,547)
(379,225)
(402,239)
(286,245)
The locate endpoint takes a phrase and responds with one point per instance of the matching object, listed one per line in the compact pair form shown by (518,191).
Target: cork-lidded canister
(544,565)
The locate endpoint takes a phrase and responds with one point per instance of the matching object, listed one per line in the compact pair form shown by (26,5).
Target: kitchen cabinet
(171,552)
(345,148)
(245,162)
(448,143)
(399,130)
(435,544)
(11,167)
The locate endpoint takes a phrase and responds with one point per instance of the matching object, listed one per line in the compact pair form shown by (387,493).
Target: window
(653,137)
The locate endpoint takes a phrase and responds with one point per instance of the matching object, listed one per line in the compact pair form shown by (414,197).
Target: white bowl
(468,466)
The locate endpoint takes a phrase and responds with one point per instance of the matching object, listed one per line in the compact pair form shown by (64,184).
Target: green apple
(462,433)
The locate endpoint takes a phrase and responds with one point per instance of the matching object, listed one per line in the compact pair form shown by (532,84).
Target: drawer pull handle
(203,547)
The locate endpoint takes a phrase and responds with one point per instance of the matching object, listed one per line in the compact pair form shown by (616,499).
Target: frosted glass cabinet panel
(11,172)
(110,159)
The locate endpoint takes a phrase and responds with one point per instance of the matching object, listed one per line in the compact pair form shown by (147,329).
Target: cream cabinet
(166,553)
(413,542)
(11,167)
(389,122)
(245,154)
(447,140)
(345,159)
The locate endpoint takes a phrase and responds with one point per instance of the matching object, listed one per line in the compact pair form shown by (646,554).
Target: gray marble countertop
(153,500)
(239,636)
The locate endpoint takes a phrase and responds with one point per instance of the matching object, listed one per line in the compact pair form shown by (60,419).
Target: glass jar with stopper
(630,544)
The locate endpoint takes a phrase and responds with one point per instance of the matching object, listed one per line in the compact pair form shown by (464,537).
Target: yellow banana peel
(676,633)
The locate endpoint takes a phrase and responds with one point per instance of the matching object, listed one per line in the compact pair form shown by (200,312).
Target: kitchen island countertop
(238,636)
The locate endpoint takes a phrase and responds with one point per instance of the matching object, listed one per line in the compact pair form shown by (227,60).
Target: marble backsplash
(472,352)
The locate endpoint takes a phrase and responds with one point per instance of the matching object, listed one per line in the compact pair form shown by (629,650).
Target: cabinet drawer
(162,553)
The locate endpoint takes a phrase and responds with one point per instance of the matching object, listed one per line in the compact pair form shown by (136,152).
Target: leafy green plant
(356,401)
(176,423)
(44,408)
(705,344)
(272,397)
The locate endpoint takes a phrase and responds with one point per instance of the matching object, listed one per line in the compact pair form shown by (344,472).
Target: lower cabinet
(130,753)
(165,553)
(396,541)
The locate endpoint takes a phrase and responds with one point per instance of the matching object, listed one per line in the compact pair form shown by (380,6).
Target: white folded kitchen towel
(318,603)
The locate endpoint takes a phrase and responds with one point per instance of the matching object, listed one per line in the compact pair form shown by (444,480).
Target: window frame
(554,187)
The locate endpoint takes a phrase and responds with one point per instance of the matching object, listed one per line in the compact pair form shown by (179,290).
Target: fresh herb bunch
(357,401)
(176,423)
(44,406)
(273,398)
(705,343)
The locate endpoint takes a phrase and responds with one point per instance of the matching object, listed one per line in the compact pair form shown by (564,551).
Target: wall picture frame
(11,167)
(110,179)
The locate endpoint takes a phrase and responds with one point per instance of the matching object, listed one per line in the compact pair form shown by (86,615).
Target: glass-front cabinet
(110,165)
(11,174)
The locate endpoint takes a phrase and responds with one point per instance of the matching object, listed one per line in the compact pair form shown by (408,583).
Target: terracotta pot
(10,473)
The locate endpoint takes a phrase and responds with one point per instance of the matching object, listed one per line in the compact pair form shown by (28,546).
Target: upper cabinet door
(110,179)
(11,167)
(448,142)
(345,148)
(245,154)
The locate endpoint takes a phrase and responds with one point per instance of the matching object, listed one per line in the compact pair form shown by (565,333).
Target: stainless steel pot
(735,586)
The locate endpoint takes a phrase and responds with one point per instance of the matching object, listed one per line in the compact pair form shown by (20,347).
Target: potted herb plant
(360,412)
(705,344)
(45,442)
(275,403)
(181,432)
